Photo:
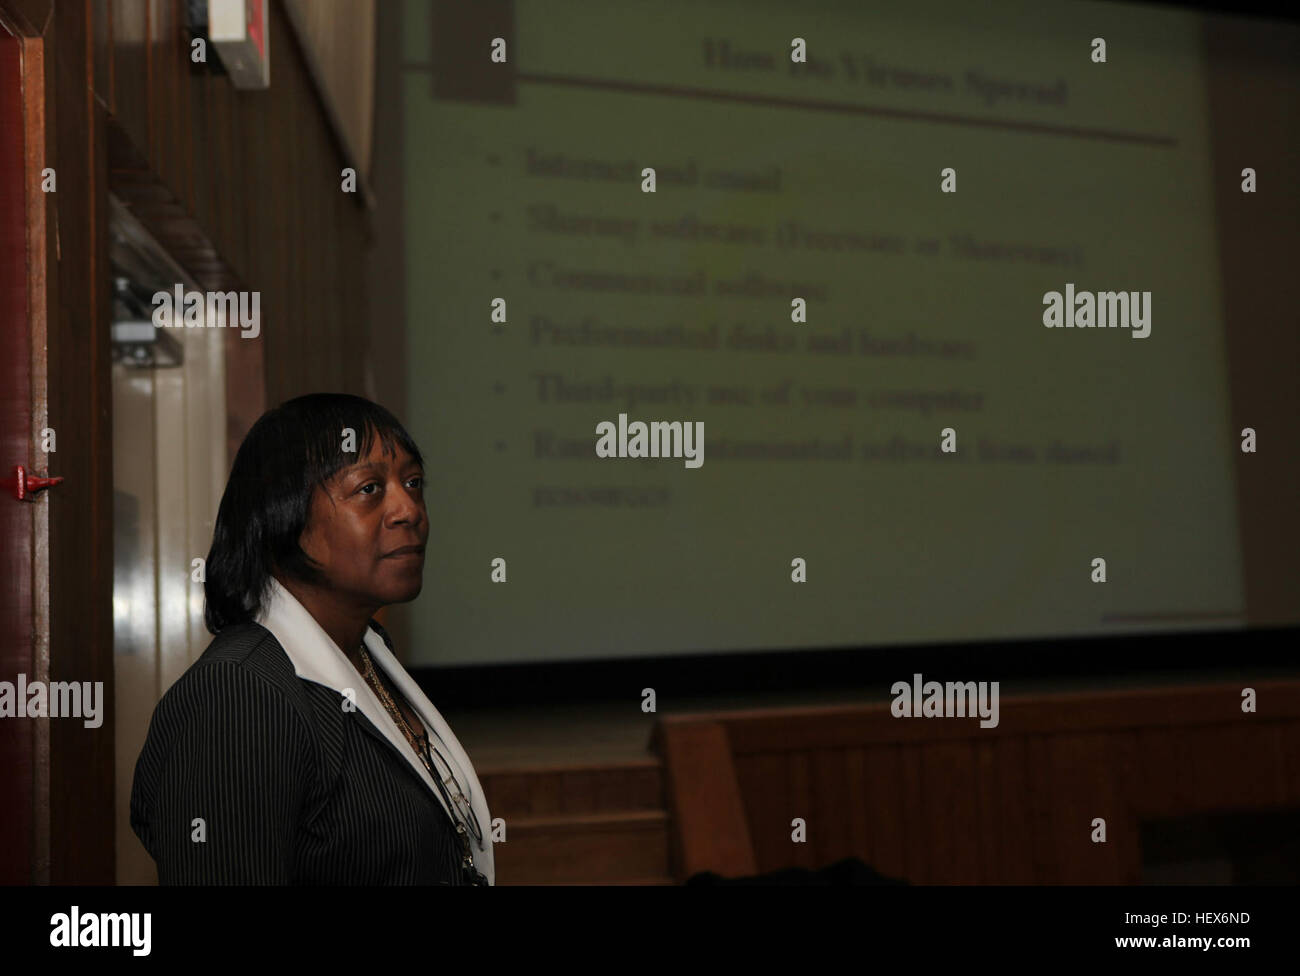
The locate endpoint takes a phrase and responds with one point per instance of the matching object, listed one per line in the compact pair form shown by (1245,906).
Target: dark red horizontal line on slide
(1111,618)
(848,108)
(821,105)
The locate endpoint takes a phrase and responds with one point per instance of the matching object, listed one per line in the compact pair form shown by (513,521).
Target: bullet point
(501,445)
(496,215)
(499,388)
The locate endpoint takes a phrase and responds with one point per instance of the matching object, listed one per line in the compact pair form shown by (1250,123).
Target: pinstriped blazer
(291,786)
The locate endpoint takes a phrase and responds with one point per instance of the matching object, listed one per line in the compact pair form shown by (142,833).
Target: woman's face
(368,512)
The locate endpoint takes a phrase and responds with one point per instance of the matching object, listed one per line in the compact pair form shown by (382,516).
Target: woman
(296,749)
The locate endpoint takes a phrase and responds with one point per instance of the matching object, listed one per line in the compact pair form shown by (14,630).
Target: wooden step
(573,788)
(638,881)
(591,848)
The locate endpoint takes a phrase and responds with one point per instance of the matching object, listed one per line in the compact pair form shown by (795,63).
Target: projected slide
(844,279)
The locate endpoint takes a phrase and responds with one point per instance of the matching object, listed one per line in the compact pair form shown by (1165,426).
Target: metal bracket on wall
(137,342)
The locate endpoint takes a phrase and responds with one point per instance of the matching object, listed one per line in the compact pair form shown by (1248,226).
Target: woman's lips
(406,552)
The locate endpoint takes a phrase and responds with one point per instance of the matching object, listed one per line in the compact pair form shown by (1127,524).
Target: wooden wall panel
(1214,767)
(951,803)
(125,112)
(17,522)
(80,410)
(387,275)
(765,778)
(341,321)
(101,57)
(316,309)
(255,190)
(120,98)
(1119,756)
(342,38)
(162,121)
(828,776)
(195,195)
(1007,823)
(1288,747)
(579,789)
(27,18)
(858,836)
(704,794)
(293,321)
(174,60)
(225,185)
(882,769)
(916,840)
(129,24)
(256,151)
(800,805)
(1078,785)
(950,808)
(243,187)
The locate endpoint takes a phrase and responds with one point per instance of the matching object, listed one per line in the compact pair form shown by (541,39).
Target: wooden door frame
(26,743)
(68,802)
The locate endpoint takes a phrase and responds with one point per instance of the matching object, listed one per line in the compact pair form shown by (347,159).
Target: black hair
(290,451)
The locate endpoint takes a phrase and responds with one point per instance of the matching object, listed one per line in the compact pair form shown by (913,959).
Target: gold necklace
(372,678)
(391,707)
(419,743)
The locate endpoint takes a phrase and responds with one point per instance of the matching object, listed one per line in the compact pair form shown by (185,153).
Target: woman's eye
(417,482)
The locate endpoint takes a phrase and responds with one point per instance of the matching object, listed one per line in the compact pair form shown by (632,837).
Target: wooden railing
(945,801)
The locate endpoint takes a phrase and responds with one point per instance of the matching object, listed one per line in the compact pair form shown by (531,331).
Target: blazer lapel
(448,744)
(317,658)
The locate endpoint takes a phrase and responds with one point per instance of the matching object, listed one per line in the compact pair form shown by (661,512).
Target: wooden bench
(945,801)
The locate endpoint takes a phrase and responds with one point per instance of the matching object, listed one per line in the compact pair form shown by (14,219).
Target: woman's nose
(404,508)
